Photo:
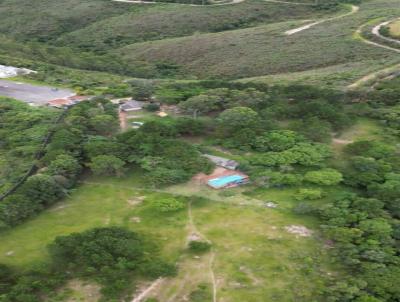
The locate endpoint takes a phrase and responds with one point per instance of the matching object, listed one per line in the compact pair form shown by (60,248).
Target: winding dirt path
(193,228)
(376,28)
(383,73)
(376,31)
(147,291)
(354,9)
(375,76)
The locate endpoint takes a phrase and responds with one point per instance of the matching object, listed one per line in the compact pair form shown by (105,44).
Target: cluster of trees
(374,167)
(62,162)
(111,256)
(215,100)
(87,138)
(364,227)
(22,131)
(382,104)
(366,240)
(155,147)
(314,113)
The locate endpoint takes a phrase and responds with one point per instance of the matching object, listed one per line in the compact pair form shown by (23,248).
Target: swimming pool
(223,181)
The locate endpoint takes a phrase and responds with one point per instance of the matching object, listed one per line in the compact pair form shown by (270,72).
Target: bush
(201,294)
(326,177)
(107,165)
(168,205)
(199,246)
(152,107)
(310,194)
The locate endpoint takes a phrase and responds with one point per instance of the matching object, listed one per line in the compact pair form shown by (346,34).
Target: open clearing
(395,29)
(255,259)
(29,93)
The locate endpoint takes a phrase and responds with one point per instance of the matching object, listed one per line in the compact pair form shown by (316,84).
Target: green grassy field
(254,256)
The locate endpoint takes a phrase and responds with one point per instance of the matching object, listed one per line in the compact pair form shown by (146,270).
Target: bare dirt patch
(299,230)
(122,120)
(136,219)
(136,200)
(83,291)
(59,208)
(342,141)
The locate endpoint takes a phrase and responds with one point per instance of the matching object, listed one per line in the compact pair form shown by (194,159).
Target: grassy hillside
(46,19)
(157,22)
(245,40)
(266,49)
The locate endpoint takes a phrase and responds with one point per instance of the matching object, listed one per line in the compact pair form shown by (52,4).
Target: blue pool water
(224,180)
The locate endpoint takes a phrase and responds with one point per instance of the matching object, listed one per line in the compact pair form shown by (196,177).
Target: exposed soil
(299,230)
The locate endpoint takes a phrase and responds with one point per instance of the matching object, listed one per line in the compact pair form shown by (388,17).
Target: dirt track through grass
(354,9)
(193,227)
(380,74)
(376,31)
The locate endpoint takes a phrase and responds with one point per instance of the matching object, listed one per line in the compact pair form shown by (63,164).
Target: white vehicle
(137,124)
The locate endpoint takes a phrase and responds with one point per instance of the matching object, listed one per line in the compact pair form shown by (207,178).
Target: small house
(131,105)
(223,162)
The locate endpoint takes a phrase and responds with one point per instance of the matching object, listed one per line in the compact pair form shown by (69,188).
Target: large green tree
(325,177)
(107,165)
(238,118)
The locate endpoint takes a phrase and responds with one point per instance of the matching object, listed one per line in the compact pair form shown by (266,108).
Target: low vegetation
(266,130)
(121,210)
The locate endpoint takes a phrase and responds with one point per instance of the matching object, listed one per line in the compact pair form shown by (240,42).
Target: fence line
(38,155)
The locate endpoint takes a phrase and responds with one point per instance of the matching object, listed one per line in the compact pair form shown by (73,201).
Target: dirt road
(354,9)
(380,74)
(376,32)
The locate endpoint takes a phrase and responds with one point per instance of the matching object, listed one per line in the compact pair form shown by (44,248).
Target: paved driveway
(38,95)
